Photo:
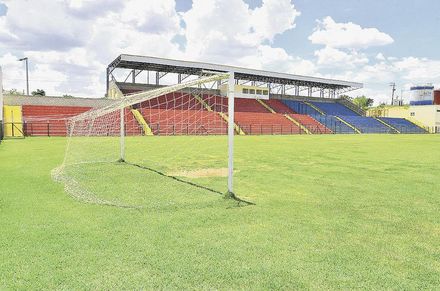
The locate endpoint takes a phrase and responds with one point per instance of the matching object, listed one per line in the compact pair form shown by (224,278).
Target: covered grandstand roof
(142,63)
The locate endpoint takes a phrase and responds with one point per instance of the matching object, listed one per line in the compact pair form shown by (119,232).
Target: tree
(67,96)
(12,92)
(363,102)
(39,92)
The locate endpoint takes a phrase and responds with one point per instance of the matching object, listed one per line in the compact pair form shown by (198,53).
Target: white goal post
(205,117)
(231,95)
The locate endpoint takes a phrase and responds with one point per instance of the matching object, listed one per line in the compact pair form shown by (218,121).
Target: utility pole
(393,90)
(401,96)
(25,59)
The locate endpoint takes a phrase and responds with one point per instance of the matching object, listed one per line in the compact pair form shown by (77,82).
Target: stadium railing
(50,129)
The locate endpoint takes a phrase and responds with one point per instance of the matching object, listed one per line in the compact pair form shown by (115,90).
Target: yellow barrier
(222,115)
(298,124)
(140,119)
(314,107)
(236,127)
(13,121)
(266,106)
(418,123)
(348,124)
(198,98)
(386,124)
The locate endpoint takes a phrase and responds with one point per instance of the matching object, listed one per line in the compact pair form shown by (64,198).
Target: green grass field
(332,212)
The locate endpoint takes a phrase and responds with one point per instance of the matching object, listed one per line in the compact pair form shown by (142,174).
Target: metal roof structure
(163,66)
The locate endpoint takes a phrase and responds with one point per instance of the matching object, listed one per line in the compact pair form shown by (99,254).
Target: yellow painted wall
(425,115)
(428,115)
(13,121)
(113,91)
(389,111)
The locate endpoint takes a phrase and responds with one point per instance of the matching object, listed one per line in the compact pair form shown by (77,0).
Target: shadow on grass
(229,195)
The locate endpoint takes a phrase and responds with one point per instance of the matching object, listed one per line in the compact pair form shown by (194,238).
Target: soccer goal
(173,139)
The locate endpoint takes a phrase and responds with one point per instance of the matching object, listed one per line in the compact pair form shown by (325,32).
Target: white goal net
(171,142)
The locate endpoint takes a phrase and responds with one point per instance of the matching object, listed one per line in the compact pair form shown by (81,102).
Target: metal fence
(41,128)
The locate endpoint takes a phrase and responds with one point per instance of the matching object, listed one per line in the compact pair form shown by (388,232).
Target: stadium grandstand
(266,103)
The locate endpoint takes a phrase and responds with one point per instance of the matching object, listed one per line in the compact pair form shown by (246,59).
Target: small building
(423,115)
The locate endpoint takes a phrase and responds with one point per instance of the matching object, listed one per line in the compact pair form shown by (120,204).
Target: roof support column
(107,82)
(309,91)
(157,78)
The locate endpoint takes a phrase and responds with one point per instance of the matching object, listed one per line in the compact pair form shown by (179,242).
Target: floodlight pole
(231,95)
(122,134)
(26,60)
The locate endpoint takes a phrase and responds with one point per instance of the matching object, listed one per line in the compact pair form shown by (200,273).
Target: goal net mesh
(173,151)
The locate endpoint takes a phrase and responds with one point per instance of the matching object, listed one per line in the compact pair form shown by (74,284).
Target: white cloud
(226,31)
(277,59)
(61,62)
(41,75)
(36,25)
(421,69)
(91,8)
(70,42)
(154,17)
(405,72)
(380,57)
(266,25)
(347,35)
(84,36)
(329,56)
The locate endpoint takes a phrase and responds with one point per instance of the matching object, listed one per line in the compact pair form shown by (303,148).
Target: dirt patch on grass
(201,173)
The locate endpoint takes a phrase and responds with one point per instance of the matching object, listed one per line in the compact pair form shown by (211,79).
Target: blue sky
(70,42)
(413,24)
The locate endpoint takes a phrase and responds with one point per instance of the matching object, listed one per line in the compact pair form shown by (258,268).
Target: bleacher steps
(351,105)
(266,106)
(314,107)
(325,126)
(205,105)
(298,124)
(140,119)
(348,124)
(222,115)
(236,127)
(386,124)
(417,123)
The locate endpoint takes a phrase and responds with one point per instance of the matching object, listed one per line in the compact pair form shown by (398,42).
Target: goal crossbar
(136,98)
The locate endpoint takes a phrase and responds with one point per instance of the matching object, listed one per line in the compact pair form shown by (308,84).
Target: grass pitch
(332,212)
